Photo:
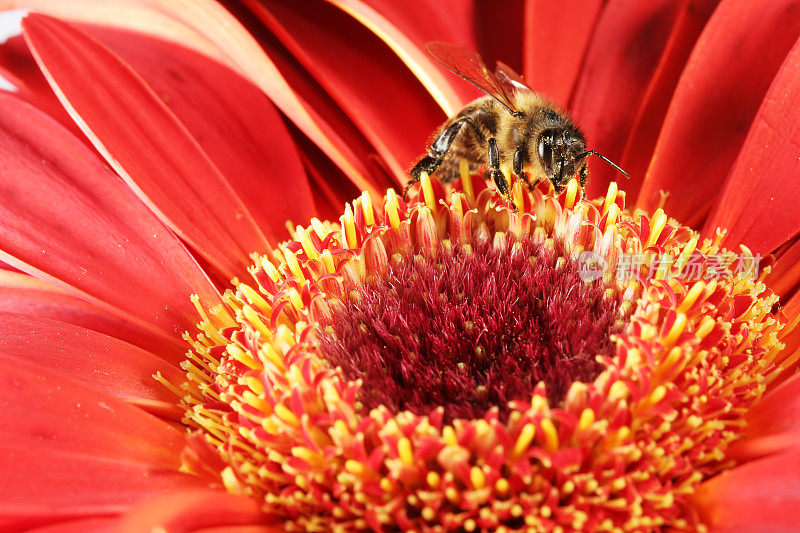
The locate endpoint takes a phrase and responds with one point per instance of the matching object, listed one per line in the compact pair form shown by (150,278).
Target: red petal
(555,41)
(777,412)
(717,97)
(47,485)
(789,357)
(18,67)
(762,495)
(26,295)
(47,411)
(320,101)
(239,129)
(499,32)
(784,278)
(747,450)
(205,26)
(240,48)
(406,26)
(172,20)
(105,525)
(101,362)
(76,224)
(240,529)
(87,525)
(70,452)
(8,268)
(623,55)
(333,189)
(792,309)
(146,144)
(758,204)
(192,510)
(643,133)
(388,105)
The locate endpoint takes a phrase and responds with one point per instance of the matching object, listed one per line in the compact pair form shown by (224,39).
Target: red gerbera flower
(441,363)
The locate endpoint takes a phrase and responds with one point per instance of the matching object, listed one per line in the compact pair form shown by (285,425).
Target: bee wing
(470,66)
(511,80)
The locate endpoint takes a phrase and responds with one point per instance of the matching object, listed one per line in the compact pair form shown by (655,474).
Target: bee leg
(437,151)
(584,175)
(519,161)
(428,165)
(502,187)
(497,175)
(532,184)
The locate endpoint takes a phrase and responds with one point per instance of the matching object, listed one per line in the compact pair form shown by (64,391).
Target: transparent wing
(470,66)
(509,78)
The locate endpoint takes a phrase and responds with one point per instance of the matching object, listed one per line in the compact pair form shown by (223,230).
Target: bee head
(559,150)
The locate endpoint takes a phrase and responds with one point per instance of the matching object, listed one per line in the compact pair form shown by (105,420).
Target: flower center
(472,328)
(443,364)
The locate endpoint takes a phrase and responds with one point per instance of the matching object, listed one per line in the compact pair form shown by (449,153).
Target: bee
(511,126)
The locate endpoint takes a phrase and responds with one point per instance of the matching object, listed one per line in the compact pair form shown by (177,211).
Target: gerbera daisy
(202,329)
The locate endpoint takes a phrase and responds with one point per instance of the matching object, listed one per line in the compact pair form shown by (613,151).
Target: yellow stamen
(550,435)
(477,478)
(611,196)
(524,440)
(319,228)
(355,467)
(657,224)
(675,331)
(293,264)
(404,451)
(571,194)
(392,208)
(366,207)
(305,240)
(466,180)
(348,227)
(283,412)
(427,192)
(270,270)
(586,420)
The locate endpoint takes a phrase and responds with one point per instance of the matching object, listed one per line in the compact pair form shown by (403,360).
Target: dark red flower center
(470,328)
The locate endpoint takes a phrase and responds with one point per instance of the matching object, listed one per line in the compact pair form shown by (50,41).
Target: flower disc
(452,364)
(469,327)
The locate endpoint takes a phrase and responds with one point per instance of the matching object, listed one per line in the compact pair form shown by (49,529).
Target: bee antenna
(604,158)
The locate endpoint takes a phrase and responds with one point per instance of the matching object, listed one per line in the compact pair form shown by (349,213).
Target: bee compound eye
(545,150)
